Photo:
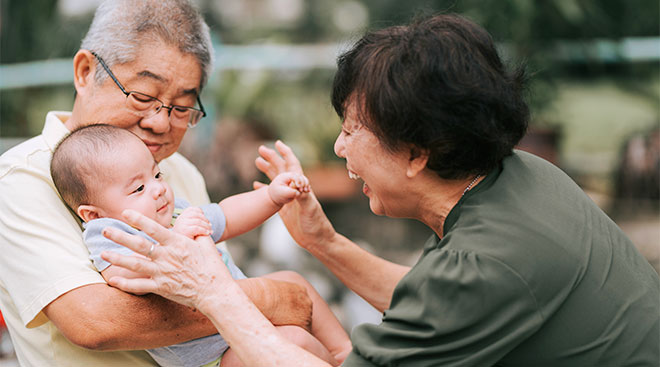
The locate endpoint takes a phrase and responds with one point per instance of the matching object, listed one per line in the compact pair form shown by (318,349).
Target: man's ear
(417,161)
(89,212)
(84,68)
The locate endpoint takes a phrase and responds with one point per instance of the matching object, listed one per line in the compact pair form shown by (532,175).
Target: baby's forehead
(111,162)
(104,168)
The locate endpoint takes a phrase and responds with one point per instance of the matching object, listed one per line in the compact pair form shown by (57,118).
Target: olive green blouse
(530,272)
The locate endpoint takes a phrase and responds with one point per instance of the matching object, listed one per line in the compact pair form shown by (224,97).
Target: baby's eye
(159,175)
(139,189)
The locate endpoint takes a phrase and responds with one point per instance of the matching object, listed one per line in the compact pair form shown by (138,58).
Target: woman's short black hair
(438,85)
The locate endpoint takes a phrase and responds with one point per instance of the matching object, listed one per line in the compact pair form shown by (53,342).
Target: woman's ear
(417,161)
(89,212)
(84,68)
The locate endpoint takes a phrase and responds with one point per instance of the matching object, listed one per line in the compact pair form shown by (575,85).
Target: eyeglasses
(145,105)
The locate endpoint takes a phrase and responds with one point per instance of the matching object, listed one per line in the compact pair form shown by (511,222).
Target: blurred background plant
(594,93)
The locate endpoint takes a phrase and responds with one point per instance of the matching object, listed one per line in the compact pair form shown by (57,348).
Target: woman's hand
(181,269)
(304,217)
(371,277)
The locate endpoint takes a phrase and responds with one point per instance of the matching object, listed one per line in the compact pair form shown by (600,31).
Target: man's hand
(190,272)
(176,267)
(192,223)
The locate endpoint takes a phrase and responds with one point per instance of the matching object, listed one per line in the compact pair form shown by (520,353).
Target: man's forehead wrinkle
(149,74)
(162,79)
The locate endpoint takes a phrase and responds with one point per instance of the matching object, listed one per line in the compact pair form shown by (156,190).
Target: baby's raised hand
(192,223)
(287,186)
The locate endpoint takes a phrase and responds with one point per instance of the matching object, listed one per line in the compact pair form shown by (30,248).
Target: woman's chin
(374,203)
(375,207)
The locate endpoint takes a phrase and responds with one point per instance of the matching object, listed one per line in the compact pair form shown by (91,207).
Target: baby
(101,170)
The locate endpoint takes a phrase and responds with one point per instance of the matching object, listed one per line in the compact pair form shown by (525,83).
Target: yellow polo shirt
(42,254)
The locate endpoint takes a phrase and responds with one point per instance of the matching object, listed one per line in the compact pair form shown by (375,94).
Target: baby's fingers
(200,221)
(193,212)
(198,230)
(195,228)
(300,183)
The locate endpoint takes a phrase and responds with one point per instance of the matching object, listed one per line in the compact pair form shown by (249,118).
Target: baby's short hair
(77,160)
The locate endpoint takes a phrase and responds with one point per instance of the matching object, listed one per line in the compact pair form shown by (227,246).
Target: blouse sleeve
(453,308)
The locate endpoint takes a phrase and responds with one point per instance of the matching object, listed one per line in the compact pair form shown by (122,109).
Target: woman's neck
(437,197)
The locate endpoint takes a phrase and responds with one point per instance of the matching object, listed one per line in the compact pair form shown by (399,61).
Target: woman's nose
(339,145)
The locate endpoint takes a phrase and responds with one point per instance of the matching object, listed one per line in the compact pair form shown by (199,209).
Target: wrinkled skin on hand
(191,272)
(181,269)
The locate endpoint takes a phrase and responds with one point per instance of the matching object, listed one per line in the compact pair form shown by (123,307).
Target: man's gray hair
(120,27)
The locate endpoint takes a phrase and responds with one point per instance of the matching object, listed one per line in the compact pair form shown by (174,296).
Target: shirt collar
(455,212)
(54,130)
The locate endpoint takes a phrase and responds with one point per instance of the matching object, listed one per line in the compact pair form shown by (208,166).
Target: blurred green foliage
(35,30)
(296,103)
(527,23)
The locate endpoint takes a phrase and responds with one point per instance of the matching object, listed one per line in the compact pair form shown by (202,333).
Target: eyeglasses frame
(163,105)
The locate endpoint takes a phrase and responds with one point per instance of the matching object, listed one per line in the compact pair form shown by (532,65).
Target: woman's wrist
(215,295)
(325,240)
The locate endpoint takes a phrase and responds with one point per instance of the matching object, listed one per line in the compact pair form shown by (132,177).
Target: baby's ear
(88,212)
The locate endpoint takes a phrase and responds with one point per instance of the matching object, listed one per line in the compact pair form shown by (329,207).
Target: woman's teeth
(353,176)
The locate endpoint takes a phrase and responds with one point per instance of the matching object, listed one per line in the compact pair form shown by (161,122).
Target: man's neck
(74,121)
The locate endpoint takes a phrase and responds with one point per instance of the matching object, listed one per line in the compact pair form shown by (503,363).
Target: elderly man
(141,66)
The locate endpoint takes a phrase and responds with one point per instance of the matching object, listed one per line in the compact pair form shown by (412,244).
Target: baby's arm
(248,210)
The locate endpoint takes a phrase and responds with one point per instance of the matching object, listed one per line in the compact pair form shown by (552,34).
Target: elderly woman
(523,269)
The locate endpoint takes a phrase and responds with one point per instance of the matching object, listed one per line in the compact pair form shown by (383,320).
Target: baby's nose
(159,190)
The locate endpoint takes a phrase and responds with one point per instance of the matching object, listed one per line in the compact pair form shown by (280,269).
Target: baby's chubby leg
(325,325)
(328,339)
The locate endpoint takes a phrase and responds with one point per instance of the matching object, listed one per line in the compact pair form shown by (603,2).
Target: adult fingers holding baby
(192,273)
(166,262)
